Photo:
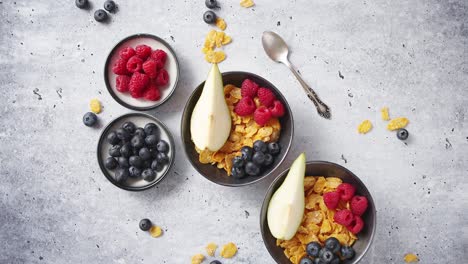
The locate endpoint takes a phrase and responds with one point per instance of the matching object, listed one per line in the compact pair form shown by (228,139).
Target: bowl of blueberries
(135,151)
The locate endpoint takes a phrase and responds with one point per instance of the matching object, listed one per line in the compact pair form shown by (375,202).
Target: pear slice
(210,124)
(286,207)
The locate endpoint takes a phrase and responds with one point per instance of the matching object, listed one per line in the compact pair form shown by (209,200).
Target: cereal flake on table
(397,123)
(247,3)
(211,249)
(365,127)
(229,250)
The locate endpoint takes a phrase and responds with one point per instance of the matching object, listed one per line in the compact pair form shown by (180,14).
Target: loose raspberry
(266,96)
(137,84)
(127,53)
(120,67)
(159,55)
(149,67)
(245,107)
(277,110)
(331,199)
(134,64)
(356,225)
(152,93)
(162,78)
(358,205)
(262,115)
(122,82)
(249,88)
(343,217)
(346,191)
(143,51)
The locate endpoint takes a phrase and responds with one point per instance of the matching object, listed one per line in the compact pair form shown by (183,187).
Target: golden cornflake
(397,123)
(215,56)
(155,231)
(384,113)
(220,23)
(95,106)
(198,258)
(409,258)
(228,250)
(247,3)
(211,249)
(365,127)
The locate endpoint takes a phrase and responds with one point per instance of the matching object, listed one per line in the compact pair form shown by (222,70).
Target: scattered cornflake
(384,113)
(220,23)
(215,56)
(155,231)
(198,258)
(211,249)
(397,123)
(247,3)
(365,127)
(95,106)
(409,258)
(228,250)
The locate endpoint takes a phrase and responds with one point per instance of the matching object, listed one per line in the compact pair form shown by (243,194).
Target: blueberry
(347,252)
(313,249)
(100,15)
(89,119)
(238,162)
(122,134)
(273,148)
(335,260)
(151,129)
(260,146)
(215,262)
(135,161)
(156,166)
(151,140)
(144,154)
(134,172)
(81,3)
(402,134)
(268,160)
(326,255)
(318,261)
(114,151)
(258,158)
(129,126)
(112,138)
(123,162)
(162,158)
(126,150)
(247,153)
(140,132)
(110,163)
(145,224)
(154,152)
(162,146)
(148,175)
(121,175)
(137,142)
(305,260)
(209,17)
(109,5)
(332,244)
(238,172)
(252,169)
(211,4)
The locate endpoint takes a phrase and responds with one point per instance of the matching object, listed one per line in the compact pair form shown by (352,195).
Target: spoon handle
(322,109)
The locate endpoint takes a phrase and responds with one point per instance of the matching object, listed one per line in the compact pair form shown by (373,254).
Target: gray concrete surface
(56,206)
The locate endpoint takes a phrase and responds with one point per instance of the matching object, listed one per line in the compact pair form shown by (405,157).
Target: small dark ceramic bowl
(211,172)
(140,120)
(326,169)
(172,67)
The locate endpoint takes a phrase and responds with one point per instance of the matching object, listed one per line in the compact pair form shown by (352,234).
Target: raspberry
(134,64)
(127,53)
(162,78)
(159,55)
(120,67)
(277,110)
(331,199)
(262,115)
(249,88)
(356,225)
(137,84)
(122,82)
(149,67)
(152,93)
(346,191)
(343,217)
(358,205)
(245,107)
(266,96)
(143,51)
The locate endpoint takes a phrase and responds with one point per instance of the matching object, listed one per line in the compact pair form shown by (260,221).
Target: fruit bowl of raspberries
(141,72)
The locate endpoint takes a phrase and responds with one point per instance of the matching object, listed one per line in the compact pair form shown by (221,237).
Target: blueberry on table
(402,134)
(144,154)
(162,146)
(110,163)
(89,119)
(134,172)
(109,5)
(135,161)
(121,175)
(268,160)
(313,249)
(215,262)
(140,132)
(252,169)
(347,252)
(332,244)
(126,150)
(211,4)
(326,255)
(129,126)
(114,151)
(148,175)
(209,17)
(137,142)
(305,260)
(247,153)
(151,129)
(162,158)
(273,148)
(81,3)
(238,172)
(145,224)
(100,15)
(156,166)
(123,162)
(238,162)
(122,134)
(260,146)
(258,158)
(151,140)
(112,138)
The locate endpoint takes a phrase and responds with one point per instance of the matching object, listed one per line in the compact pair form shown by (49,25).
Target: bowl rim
(273,169)
(101,160)
(314,162)
(106,76)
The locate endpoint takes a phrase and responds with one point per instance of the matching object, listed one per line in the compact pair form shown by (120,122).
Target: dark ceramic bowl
(172,67)
(140,120)
(211,172)
(326,169)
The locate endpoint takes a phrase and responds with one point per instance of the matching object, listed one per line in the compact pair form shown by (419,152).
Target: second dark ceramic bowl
(326,169)
(211,172)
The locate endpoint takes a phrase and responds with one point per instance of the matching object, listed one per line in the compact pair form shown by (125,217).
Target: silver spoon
(277,50)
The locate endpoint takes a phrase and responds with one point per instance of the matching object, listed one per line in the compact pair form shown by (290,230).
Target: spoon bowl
(274,46)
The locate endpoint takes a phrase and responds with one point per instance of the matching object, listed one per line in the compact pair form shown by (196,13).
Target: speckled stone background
(57,207)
